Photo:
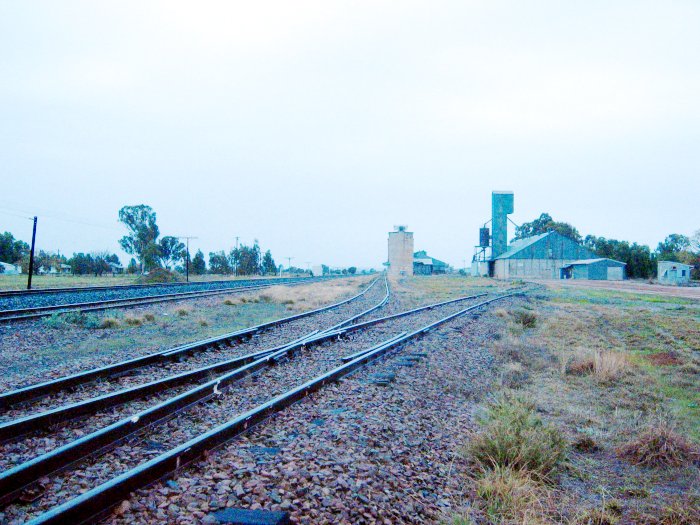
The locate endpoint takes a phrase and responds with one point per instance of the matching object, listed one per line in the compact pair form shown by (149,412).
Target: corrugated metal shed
(600,269)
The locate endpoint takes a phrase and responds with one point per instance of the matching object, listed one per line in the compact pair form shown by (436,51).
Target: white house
(10,269)
(674,273)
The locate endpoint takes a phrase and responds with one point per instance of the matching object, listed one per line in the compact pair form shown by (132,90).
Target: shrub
(230,302)
(132,321)
(182,312)
(149,317)
(514,436)
(525,318)
(69,319)
(203,322)
(109,322)
(160,275)
(660,446)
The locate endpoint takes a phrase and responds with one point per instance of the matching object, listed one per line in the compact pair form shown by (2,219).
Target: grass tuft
(660,446)
(597,517)
(512,496)
(183,312)
(109,322)
(203,322)
(515,436)
(132,321)
(149,317)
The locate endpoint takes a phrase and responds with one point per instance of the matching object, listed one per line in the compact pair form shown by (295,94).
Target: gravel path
(239,397)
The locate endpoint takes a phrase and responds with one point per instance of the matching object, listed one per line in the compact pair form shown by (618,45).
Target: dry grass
(202,322)
(109,322)
(311,296)
(149,317)
(606,366)
(132,321)
(659,445)
(511,496)
(597,517)
(183,312)
(685,511)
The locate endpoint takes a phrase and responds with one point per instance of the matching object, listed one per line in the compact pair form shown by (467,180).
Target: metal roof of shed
(591,261)
(521,244)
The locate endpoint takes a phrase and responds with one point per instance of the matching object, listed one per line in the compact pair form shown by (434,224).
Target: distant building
(549,255)
(400,252)
(10,269)
(317,270)
(594,269)
(424,264)
(673,273)
(115,268)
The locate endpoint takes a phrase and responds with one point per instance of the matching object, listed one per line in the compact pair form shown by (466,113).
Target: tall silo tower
(400,252)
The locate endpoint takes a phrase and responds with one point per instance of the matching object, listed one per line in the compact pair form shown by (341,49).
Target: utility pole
(289,265)
(31,258)
(235,262)
(187,255)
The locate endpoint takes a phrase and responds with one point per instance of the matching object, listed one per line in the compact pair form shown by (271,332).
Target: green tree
(140,240)
(674,247)
(352,270)
(641,263)
(268,264)
(198,265)
(171,251)
(133,267)
(12,250)
(545,223)
(219,263)
(246,259)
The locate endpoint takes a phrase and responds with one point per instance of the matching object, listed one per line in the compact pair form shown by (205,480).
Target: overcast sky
(316,127)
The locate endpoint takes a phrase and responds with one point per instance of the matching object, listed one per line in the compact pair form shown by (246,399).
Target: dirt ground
(642,287)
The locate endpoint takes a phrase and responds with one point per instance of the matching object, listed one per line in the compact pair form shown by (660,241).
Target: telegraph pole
(187,256)
(289,265)
(235,270)
(31,257)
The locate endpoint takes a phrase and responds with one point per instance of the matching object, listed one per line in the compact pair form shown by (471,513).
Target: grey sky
(317,126)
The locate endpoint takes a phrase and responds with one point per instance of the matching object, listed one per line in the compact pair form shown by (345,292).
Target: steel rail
(36,312)
(118,287)
(20,426)
(28,393)
(95,502)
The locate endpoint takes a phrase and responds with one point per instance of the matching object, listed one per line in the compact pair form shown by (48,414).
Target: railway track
(238,399)
(36,312)
(118,287)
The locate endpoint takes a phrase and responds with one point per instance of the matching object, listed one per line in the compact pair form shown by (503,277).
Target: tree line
(640,259)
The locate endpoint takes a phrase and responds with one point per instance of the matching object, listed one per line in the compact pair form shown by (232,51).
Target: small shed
(673,273)
(594,269)
(424,264)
